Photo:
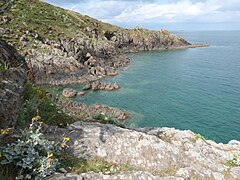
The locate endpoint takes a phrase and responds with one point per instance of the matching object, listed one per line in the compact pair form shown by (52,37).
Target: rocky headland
(71,48)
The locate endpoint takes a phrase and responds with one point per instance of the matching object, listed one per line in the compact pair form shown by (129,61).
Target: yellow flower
(4,131)
(63,145)
(66,138)
(36,118)
(49,155)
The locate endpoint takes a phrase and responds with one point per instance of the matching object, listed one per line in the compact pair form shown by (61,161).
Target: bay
(196,89)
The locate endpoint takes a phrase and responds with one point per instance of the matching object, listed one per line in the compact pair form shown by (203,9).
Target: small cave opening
(109,35)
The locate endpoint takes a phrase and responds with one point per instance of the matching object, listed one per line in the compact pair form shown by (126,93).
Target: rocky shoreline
(85,51)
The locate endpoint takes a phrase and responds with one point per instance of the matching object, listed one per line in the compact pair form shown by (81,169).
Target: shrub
(37,100)
(30,155)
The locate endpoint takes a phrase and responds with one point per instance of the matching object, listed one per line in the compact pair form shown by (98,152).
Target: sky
(161,14)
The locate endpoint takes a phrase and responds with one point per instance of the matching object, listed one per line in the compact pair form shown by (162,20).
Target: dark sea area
(196,89)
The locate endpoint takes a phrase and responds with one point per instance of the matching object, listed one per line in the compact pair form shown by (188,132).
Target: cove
(196,89)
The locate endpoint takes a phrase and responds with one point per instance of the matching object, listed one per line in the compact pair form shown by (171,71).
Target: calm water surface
(196,89)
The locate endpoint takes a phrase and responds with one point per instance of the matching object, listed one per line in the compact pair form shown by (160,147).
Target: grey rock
(99,85)
(164,151)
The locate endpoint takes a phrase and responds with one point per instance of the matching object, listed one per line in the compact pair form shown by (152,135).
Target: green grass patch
(199,136)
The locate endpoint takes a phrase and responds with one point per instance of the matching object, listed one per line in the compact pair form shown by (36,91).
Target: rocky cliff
(62,46)
(13,78)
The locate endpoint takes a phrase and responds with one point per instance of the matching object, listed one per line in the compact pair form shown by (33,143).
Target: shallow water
(196,89)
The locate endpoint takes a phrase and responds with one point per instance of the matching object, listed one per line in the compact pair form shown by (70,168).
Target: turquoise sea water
(196,89)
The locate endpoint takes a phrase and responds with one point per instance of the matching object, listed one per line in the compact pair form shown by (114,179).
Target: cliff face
(61,46)
(12,84)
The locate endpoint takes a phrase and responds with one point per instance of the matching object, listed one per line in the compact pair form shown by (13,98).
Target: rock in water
(71,93)
(104,86)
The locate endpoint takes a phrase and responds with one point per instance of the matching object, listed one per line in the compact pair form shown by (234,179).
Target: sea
(195,89)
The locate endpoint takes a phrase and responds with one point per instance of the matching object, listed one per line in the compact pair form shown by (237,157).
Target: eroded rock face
(12,84)
(164,151)
(98,85)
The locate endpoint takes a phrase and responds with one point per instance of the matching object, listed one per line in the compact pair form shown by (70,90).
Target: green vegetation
(199,136)
(78,165)
(108,119)
(235,161)
(37,101)
(29,155)
(35,19)
(3,67)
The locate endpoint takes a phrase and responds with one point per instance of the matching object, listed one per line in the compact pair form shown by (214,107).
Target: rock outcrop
(163,152)
(12,84)
(89,113)
(98,85)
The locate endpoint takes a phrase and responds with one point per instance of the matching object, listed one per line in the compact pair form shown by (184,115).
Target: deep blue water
(196,89)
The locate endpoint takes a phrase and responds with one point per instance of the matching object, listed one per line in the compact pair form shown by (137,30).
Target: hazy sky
(158,14)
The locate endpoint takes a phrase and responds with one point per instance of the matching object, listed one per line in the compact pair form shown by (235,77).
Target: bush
(30,155)
(38,100)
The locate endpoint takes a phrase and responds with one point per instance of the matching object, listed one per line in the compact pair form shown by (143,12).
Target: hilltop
(62,46)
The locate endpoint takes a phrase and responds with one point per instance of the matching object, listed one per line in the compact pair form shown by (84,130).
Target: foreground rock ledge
(163,152)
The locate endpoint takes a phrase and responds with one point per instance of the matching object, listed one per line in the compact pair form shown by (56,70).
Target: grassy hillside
(48,22)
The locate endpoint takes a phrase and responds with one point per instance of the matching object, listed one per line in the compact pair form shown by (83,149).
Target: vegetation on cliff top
(47,22)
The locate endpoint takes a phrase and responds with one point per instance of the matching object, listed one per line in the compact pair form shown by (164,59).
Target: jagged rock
(82,111)
(12,84)
(98,85)
(12,87)
(163,151)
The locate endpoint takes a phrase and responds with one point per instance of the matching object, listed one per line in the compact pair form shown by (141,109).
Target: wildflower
(36,118)
(4,131)
(63,144)
(49,155)
(66,138)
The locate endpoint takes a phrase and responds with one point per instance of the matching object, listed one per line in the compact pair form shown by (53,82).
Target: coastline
(87,50)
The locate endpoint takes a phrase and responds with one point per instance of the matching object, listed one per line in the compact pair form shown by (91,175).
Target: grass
(37,101)
(48,22)
(3,67)
(79,165)
(199,136)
